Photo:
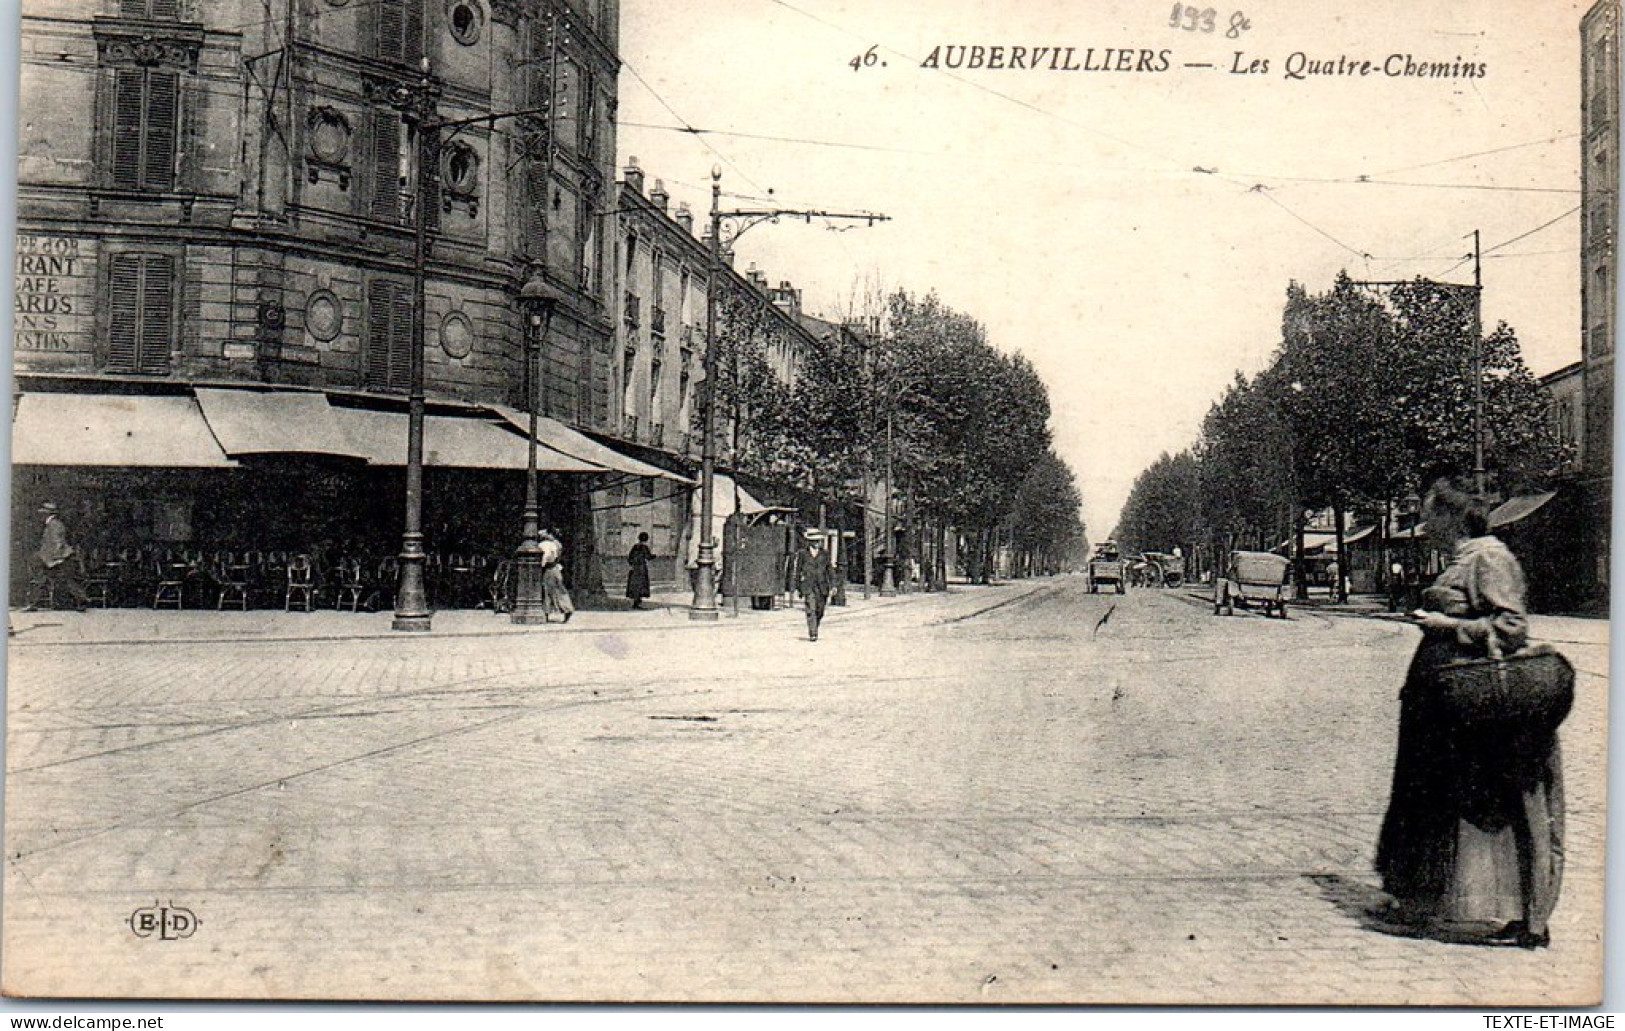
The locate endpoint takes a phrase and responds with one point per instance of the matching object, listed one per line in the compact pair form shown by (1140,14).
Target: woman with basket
(1471,848)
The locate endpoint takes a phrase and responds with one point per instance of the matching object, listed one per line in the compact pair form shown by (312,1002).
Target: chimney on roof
(658,195)
(757,277)
(633,175)
(685,217)
(786,297)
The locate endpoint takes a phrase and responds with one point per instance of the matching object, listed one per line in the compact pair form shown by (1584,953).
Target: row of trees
(1369,398)
(965,427)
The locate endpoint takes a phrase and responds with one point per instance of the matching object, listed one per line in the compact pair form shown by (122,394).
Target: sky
(1132,232)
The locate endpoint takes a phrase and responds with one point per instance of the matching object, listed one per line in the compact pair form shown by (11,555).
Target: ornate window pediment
(164,46)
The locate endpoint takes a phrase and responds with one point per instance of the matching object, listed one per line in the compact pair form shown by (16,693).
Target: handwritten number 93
(1202,19)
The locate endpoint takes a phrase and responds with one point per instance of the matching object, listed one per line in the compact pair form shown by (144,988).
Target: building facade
(659,355)
(222,198)
(1599,212)
(662,277)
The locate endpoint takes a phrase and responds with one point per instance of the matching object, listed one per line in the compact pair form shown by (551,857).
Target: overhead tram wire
(1264,191)
(689,128)
(1483,153)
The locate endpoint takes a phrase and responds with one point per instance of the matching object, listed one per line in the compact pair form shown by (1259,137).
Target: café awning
(556,435)
(255,422)
(113,430)
(465,442)
(1521,507)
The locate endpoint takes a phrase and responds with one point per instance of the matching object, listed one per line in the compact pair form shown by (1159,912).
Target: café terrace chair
(301,585)
(353,589)
(232,578)
(170,588)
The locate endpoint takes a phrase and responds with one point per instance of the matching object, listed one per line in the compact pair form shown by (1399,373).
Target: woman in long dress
(637,577)
(1471,848)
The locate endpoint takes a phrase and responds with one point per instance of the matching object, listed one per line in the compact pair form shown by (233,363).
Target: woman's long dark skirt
(1474,829)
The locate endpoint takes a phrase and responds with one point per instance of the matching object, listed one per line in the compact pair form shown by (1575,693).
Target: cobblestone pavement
(1018,794)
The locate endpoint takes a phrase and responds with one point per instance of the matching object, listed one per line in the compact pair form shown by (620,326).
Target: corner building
(1599,269)
(217,222)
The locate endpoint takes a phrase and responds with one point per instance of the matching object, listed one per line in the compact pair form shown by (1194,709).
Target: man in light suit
(814,580)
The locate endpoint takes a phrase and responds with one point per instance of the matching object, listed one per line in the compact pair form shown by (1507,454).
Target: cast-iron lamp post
(539,300)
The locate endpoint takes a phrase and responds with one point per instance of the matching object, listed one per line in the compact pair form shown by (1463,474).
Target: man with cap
(55,556)
(815,580)
(555,596)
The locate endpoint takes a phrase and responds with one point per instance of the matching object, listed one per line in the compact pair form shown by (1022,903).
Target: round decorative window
(457,335)
(329,135)
(324,315)
(467,19)
(460,169)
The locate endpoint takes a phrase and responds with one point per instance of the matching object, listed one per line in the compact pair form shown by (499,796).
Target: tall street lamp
(417,104)
(539,300)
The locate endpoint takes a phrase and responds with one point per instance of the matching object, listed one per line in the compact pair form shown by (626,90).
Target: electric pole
(704,606)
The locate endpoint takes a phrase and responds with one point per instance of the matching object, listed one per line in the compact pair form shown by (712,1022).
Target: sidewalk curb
(17,638)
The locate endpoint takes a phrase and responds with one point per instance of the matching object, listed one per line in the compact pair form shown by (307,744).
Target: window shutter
(158,149)
(429,183)
(390,19)
(377,361)
(157,313)
(141,323)
(389,336)
(386,165)
(412,44)
(536,209)
(124,330)
(161,10)
(128,103)
(400,352)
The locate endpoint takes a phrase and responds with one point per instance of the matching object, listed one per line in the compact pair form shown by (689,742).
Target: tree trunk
(1299,568)
(1339,590)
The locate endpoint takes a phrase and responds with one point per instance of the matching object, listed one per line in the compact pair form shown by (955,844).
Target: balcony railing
(657,433)
(657,320)
(629,427)
(633,303)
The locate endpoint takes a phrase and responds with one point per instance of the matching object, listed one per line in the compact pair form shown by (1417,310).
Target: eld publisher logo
(168,923)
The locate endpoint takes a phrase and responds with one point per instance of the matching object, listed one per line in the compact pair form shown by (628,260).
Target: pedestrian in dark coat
(637,577)
(1472,845)
(55,556)
(814,580)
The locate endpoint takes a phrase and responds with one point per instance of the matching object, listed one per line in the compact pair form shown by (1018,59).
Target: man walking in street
(55,555)
(555,596)
(814,581)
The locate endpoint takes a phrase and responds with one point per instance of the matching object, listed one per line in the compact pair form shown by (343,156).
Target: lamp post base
(529,597)
(704,607)
(888,581)
(412,613)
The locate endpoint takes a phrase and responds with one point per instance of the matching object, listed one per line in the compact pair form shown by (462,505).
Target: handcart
(1252,578)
